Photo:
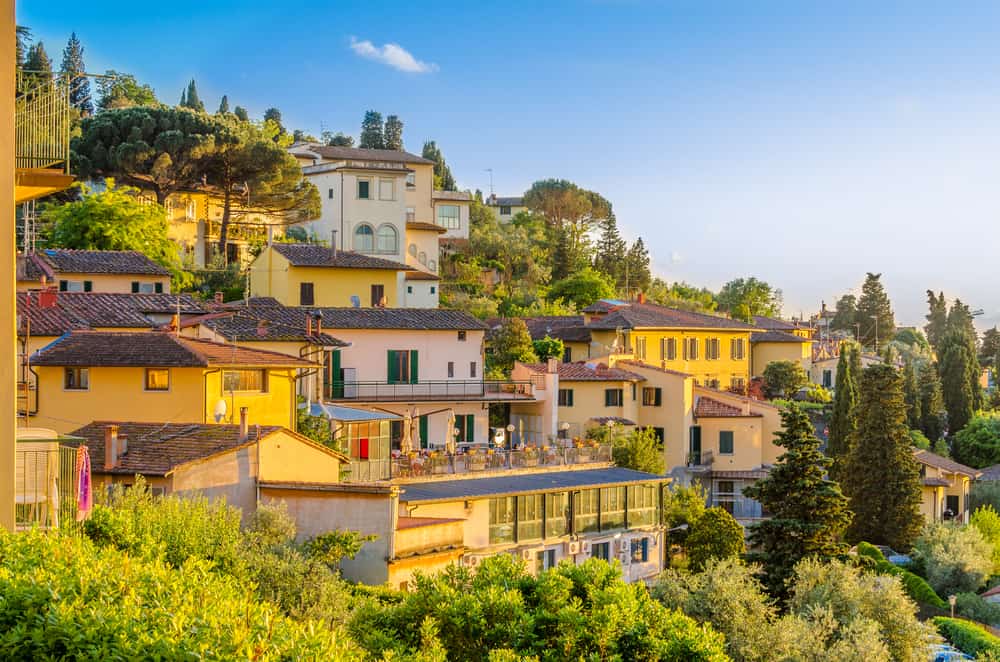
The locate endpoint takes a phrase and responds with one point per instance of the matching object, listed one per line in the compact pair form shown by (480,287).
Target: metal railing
(433,463)
(43,118)
(701,460)
(738,506)
(45,486)
(430,390)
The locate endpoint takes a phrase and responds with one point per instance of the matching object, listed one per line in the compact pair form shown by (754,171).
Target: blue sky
(805,145)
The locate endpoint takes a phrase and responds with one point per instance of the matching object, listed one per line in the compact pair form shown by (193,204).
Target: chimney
(110,446)
(641,297)
(552,366)
(309,325)
(319,324)
(333,242)
(244,429)
(219,297)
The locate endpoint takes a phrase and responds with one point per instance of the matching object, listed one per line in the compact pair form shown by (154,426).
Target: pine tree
(393,133)
(637,273)
(808,511)
(443,179)
(911,395)
(842,421)
(39,65)
(960,322)
(22,39)
(932,412)
(882,477)
(372,135)
(241,114)
(937,319)
(190,98)
(609,257)
(73,67)
(274,115)
(955,388)
(846,317)
(340,140)
(875,312)
(223,105)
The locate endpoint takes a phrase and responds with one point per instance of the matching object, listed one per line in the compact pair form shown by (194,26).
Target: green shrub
(955,558)
(870,551)
(968,637)
(916,587)
(66,599)
(973,606)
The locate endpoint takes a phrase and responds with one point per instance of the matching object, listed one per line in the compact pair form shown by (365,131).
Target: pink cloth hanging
(84,493)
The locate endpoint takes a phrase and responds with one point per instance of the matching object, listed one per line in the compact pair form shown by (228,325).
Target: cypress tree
(911,394)
(637,262)
(184,99)
(609,258)
(937,319)
(808,511)
(842,420)
(955,388)
(241,114)
(960,322)
(932,411)
(393,133)
(875,312)
(856,369)
(72,66)
(372,136)
(190,98)
(443,179)
(223,105)
(882,477)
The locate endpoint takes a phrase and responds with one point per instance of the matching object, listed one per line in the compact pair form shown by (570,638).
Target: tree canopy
(73,66)
(582,288)
(121,90)
(743,298)
(875,312)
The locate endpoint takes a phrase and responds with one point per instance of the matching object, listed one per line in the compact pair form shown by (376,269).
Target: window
(157,379)
(432,265)
(613,397)
(828,379)
(448,217)
(652,397)
(433,289)
(146,288)
(412,250)
(411,214)
(402,366)
(462,335)
(640,348)
(951,502)
(451,369)
(411,179)
(643,502)
(472,369)
(565,397)
(244,380)
(585,505)
(76,286)
(386,189)
(711,381)
(364,189)
(712,349)
(364,238)
(658,435)
(635,389)
(466,425)
(612,508)
(668,349)
(387,240)
(567,354)
(529,517)
(725,442)
(601,550)
(306,294)
(504,210)
(737,349)
(409,289)
(501,520)
(422,258)
(640,550)
(545,560)
(378,295)
(738,383)
(77,379)
(690,349)
(329,193)
(556,514)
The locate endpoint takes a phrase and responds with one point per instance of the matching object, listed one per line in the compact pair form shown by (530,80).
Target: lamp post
(510,442)
(875,317)
(952,599)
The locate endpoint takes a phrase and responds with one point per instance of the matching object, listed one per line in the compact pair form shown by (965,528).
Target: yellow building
(505,209)
(95,375)
(570,329)
(946,487)
(770,346)
(795,327)
(314,275)
(91,271)
(714,350)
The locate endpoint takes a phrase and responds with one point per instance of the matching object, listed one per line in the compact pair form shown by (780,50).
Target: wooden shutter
(423,432)
(392,373)
(88,286)
(158,288)
(470,428)
(63,286)
(414,372)
(335,378)
(306,294)
(135,287)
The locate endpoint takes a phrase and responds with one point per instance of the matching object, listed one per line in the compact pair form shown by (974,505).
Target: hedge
(915,585)
(966,636)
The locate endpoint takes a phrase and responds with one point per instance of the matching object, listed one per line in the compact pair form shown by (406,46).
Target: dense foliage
(916,586)
(716,535)
(978,443)
(968,637)
(843,422)
(953,558)
(639,450)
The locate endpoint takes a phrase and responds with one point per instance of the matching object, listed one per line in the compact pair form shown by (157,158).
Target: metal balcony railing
(43,117)
(45,485)
(739,507)
(429,390)
(701,460)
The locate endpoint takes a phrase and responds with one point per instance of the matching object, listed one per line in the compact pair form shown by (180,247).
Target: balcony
(429,391)
(45,485)
(740,507)
(43,117)
(700,461)
(472,460)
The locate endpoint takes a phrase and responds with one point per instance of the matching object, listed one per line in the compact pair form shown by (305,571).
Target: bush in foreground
(968,637)
(916,586)
(64,598)
(955,558)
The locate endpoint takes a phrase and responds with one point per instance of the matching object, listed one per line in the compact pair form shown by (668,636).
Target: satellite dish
(220,410)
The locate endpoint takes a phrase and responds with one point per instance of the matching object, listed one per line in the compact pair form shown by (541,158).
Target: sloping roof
(424,226)
(505,202)
(647,366)
(604,420)
(452,490)
(991,472)
(747,474)
(936,482)
(418,274)
(775,324)
(84,310)
(568,328)
(707,407)
(943,463)
(156,449)
(460,196)
(580,371)
(777,336)
(428,319)
(334,153)
(64,260)
(243,328)
(314,255)
(153,349)
(647,315)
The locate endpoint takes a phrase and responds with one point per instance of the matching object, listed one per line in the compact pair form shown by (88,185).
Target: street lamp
(564,430)
(952,600)
(510,435)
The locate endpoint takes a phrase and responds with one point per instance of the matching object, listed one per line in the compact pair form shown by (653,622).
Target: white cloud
(392,55)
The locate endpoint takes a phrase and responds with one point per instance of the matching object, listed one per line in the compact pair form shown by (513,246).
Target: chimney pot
(319,324)
(553,366)
(309,325)
(244,428)
(110,446)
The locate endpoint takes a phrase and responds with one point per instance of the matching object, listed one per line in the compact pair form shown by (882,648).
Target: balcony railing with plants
(45,486)
(429,390)
(43,118)
(702,460)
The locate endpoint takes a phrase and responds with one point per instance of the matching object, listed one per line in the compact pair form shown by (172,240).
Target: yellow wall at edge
(769,352)
(331,287)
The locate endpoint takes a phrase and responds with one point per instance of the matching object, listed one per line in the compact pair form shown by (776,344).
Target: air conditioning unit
(470,561)
(527,554)
(585,547)
(572,547)
(623,546)
(625,558)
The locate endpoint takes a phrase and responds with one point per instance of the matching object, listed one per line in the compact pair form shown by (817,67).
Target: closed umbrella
(415,428)
(449,443)
(406,443)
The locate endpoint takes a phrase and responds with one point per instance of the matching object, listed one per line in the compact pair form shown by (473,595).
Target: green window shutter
(392,374)
(158,288)
(694,443)
(423,432)
(335,377)
(88,286)
(63,286)
(470,427)
(658,397)
(726,442)
(135,287)
(414,371)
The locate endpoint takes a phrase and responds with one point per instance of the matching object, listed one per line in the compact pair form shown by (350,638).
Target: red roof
(588,372)
(712,408)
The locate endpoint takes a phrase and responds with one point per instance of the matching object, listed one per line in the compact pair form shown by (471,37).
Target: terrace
(45,481)
(43,118)
(428,391)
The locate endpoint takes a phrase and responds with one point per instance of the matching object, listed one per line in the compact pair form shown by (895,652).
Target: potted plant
(530,456)
(477,461)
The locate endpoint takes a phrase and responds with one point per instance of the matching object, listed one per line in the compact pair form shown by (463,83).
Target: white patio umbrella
(449,443)
(406,443)
(415,428)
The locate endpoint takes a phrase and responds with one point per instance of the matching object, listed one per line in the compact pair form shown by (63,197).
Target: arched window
(364,238)
(423,257)
(432,265)
(413,250)
(387,240)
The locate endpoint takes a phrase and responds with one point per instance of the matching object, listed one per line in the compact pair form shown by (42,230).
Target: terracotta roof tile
(776,336)
(335,153)
(946,464)
(63,260)
(587,372)
(775,324)
(568,328)
(427,319)
(618,420)
(422,225)
(238,326)
(84,310)
(417,274)
(647,366)
(460,196)
(648,315)
(505,202)
(314,255)
(707,407)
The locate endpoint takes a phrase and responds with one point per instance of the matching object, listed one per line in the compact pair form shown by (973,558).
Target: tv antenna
(490,170)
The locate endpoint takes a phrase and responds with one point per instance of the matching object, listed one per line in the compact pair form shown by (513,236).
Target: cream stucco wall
(422,249)
(462,231)
(589,403)
(768,352)
(418,196)
(109,283)
(419,293)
